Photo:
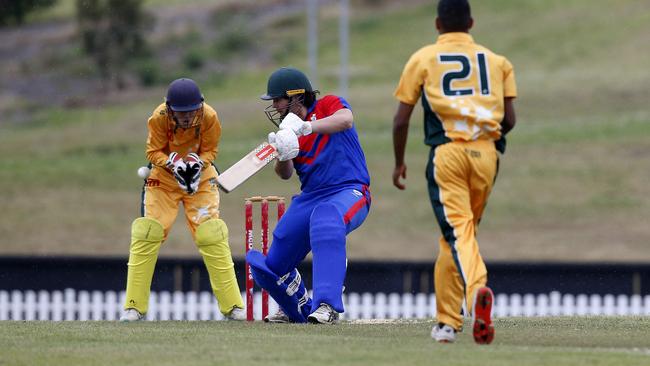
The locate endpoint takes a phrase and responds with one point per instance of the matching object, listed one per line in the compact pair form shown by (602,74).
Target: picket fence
(96,305)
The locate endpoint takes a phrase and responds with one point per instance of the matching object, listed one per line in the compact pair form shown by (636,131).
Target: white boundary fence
(96,305)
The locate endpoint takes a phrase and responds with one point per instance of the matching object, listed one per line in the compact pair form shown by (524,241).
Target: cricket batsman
(183,139)
(317,139)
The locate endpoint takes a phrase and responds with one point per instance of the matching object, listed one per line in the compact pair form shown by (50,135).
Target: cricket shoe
(131,315)
(325,314)
(237,314)
(278,317)
(443,333)
(482,327)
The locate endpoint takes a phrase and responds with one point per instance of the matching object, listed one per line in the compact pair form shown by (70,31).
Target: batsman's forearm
(341,120)
(284,169)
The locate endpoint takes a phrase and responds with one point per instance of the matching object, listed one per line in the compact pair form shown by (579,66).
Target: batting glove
(296,124)
(286,142)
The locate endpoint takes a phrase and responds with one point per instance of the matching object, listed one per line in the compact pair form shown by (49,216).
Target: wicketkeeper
(183,137)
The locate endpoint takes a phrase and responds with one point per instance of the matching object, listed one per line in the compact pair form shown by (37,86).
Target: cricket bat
(245,168)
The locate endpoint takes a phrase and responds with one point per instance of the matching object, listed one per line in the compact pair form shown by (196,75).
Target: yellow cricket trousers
(162,204)
(460,177)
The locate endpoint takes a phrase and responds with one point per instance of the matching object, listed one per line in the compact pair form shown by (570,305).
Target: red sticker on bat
(265,152)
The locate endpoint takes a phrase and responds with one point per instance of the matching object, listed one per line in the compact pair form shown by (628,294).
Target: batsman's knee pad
(288,290)
(262,274)
(146,235)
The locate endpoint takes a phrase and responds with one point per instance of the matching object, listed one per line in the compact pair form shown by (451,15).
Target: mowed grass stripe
(520,341)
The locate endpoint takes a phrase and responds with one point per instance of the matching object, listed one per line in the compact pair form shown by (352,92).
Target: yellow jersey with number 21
(462,85)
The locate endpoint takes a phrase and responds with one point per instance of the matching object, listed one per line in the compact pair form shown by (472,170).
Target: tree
(111,32)
(16,10)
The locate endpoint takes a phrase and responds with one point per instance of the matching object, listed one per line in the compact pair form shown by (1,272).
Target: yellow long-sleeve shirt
(164,139)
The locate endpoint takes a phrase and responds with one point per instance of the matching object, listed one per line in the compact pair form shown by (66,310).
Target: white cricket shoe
(325,314)
(279,317)
(443,333)
(131,315)
(237,314)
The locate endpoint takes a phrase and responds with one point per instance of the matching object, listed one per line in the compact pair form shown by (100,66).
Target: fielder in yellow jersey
(184,133)
(466,92)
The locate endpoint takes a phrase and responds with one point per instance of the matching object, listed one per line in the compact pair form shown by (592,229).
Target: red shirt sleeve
(329,104)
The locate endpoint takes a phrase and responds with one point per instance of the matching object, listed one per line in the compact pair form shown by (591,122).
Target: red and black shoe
(482,327)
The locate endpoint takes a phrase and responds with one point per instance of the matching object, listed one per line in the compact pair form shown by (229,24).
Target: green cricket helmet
(286,82)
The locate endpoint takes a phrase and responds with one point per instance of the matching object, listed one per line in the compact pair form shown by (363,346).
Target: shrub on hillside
(194,58)
(147,71)
(112,33)
(14,11)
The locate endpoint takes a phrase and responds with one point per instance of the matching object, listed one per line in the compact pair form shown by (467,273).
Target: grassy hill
(572,186)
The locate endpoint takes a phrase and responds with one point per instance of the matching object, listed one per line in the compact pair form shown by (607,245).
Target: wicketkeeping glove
(174,160)
(296,124)
(176,164)
(286,142)
(193,172)
(193,158)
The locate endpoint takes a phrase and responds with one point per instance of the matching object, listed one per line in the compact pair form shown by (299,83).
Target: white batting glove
(286,142)
(296,124)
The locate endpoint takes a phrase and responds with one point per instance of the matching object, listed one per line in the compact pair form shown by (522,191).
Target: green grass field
(572,186)
(519,341)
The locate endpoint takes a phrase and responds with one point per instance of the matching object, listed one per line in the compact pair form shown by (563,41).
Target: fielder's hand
(286,142)
(399,173)
(296,124)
